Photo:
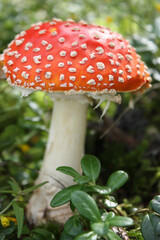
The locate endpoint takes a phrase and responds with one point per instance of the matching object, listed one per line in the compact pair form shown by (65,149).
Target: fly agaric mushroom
(73,63)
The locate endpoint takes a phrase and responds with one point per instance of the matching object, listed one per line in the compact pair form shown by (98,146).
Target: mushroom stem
(65,147)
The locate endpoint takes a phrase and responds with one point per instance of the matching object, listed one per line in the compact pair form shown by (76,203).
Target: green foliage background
(24,122)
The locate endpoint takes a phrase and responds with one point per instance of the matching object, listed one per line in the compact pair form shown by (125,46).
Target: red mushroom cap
(64,55)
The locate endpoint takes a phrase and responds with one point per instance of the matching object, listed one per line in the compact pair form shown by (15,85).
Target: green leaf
(73,226)
(100,228)
(28,238)
(2,236)
(65,236)
(28,190)
(107,216)
(102,190)
(87,236)
(155,204)
(68,171)
(150,227)
(8,230)
(19,213)
(64,195)
(119,221)
(43,232)
(117,180)
(91,167)
(112,235)
(82,179)
(14,185)
(110,203)
(86,205)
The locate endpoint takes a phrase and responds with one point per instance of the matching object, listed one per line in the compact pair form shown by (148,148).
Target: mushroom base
(65,147)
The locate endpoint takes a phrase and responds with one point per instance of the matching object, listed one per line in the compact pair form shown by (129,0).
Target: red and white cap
(64,56)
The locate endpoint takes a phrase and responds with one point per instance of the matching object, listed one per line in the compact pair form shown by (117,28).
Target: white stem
(65,145)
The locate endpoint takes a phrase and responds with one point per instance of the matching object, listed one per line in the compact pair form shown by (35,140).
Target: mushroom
(73,63)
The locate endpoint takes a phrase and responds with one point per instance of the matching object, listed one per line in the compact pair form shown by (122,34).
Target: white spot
(120,72)
(10,62)
(54,33)
(92,55)
(73,53)
(49,47)
(32,84)
(48,75)
(91,82)
(25,75)
(69,63)
(50,57)
(129,69)
(62,53)
(38,88)
(75,29)
(29,67)
(74,44)
(100,65)
(19,42)
(117,63)
(38,79)
(100,50)
(72,78)
(70,20)
(96,36)
(62,39)
(129,77)
(83,76)
(61,77)
(37,28)
(10,53)
(90,69)
(67,24)
(63,85)
(111,44)
(42,31)
(111,78)
(72,69)
(82,36)
(19,81)
(44,42)
(70,85)
(5,69)
(52,84)
(28,46)
(84,60)
(24,59)
(22,34)
(52,23)
(111,61)
(37,59)
(57,19)
(138,72)
(61,64)
(111,84)
(47,65)
(120,56)
(84,46)
(129,57)
(36,49)
(84,23)
(120,79)
(16,69)
(114,70)
(100,77)
(38,70)
(110,54)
